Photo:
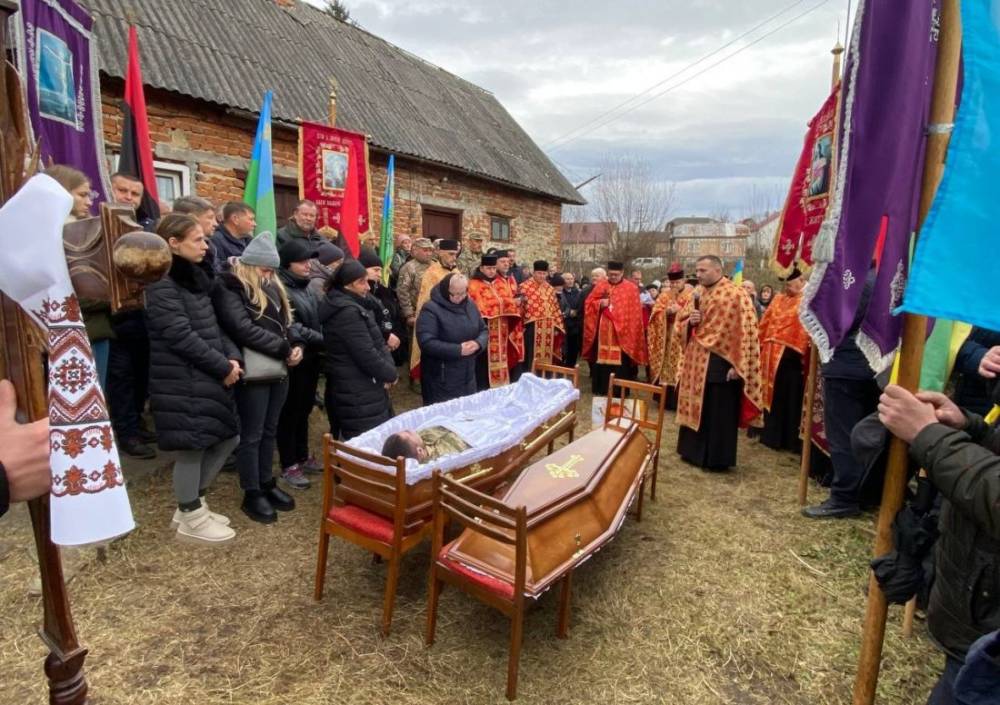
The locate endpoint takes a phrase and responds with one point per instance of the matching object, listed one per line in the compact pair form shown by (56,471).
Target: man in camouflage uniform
(472,253)
(425,445)
(410,276)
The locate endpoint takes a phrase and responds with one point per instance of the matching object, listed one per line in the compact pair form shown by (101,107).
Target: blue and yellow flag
(738,272)
(259,190)
(386,244)
(955,268)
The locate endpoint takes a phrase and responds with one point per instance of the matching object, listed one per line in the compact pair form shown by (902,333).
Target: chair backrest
(484,515)
(546,371)
(637,402)
(343,462)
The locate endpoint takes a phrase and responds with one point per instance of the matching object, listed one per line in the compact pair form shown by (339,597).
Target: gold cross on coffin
(561,472)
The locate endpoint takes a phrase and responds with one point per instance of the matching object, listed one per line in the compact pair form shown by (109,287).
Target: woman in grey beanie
(253,310)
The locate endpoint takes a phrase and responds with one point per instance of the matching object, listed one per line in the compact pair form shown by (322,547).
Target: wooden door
(443,224)
(286,197)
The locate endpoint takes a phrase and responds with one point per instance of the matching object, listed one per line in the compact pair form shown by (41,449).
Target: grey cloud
(717,145)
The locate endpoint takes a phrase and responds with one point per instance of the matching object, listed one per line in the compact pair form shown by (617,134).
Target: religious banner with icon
(808,193)
(59,61)
(333,172)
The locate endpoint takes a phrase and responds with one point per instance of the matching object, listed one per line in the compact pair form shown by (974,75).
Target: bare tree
(629,195)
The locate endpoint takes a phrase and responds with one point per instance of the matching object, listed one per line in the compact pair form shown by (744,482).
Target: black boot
(257,506)
(278,498)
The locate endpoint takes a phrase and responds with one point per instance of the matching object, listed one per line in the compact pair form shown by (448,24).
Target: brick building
(463,164)
(691,238)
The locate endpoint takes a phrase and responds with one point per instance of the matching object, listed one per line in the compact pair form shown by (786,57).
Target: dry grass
(723,594)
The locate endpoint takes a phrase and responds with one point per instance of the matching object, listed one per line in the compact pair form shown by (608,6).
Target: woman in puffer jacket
(193,367)
(303,379)
(451,333)
(253,309)
(359,366)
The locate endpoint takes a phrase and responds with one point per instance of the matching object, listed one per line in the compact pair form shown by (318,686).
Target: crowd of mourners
(246,335)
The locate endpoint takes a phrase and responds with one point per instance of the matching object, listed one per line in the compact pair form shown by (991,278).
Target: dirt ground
(723,594)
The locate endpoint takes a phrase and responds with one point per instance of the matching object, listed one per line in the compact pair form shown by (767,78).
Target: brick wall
(215,146)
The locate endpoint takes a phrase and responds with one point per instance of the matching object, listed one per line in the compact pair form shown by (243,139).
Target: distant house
(693,237)
(586,245)
(763,231)
(463,164)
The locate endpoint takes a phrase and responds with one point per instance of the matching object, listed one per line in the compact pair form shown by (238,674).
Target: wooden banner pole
(807,407)
(810,390)
(912,350)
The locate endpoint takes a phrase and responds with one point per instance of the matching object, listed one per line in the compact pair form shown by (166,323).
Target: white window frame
(161,168)
(173,170)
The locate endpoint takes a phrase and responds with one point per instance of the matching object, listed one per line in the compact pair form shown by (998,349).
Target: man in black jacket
(233,235)
(959,452)
(849,393)
(978,352)
(301,226)
(571,300)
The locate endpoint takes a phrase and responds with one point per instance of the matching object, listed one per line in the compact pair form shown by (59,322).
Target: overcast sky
(723,136)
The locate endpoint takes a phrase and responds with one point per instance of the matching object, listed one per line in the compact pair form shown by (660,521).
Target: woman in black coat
(303,379)
(253,309)
(385,305)
(193,367)
(451,333)
(359,366)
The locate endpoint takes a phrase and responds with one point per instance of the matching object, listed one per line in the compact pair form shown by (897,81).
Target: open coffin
(505,427)
(576,500)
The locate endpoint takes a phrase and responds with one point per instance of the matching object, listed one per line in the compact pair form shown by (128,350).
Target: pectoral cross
(564,471)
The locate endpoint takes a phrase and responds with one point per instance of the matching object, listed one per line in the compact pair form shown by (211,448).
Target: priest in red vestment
(544,329)
(783,346)
(719,387)
(614,341)
(664,346)
(501,310)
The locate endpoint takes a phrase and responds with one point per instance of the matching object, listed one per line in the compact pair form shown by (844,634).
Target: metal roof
(229,52)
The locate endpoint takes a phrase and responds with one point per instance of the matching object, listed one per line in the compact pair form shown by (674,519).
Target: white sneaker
(198,527)
(217,518)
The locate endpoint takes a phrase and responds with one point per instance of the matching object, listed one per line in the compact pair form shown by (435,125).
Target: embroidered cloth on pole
(886,99)
(962,222)
(89,502)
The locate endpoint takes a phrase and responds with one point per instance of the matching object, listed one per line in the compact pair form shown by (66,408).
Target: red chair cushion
(494,585)
(364,522)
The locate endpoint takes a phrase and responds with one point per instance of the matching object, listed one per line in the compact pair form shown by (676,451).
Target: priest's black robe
(781,423)
(713,446)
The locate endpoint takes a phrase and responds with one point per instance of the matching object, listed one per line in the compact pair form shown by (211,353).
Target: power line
(676,74)
(692,77)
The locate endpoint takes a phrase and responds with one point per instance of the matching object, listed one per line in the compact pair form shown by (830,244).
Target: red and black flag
(137,154)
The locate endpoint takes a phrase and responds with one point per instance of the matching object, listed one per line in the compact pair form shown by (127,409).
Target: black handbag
(258,367)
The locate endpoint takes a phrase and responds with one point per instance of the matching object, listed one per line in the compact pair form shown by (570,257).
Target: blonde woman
(253,310)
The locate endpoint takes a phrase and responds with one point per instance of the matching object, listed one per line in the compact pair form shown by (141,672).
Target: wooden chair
(485,515)
(618,409)
(546,371)
(374,532)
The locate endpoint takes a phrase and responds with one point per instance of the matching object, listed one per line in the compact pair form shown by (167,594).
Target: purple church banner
(886,98)
(59,66)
